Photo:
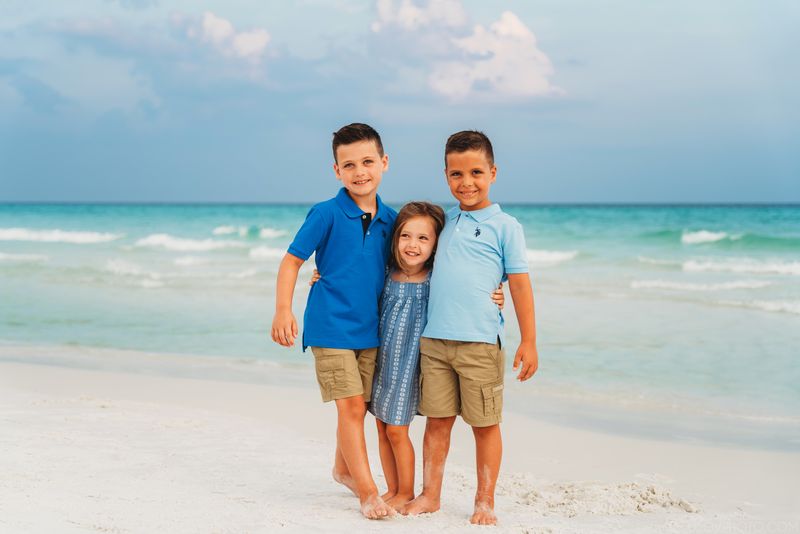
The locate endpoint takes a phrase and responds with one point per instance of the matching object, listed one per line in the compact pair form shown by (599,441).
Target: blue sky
(235,101)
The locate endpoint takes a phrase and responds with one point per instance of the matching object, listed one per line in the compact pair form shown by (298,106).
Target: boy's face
(360,168)
(470,176)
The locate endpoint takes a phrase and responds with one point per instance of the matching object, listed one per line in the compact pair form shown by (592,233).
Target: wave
(140,277)
(125,268)
(686,286)
(267,253)
(744,265)
(185,245)
(656,261)
(184,261)
(705,236)
(56,236)
(23,258)
(779,306)
(249,273)
(249,231)
(550,257)
(723,239)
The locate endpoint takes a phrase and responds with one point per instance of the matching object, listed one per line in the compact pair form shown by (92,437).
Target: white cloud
(222,36)
(499,62)
(410,16)
(505,59)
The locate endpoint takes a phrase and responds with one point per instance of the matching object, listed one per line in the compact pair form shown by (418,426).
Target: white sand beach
(99,451)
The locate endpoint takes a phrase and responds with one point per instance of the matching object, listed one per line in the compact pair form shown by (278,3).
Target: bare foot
(399,500)
(373,507)
(388,495)
(421,505)
(483,514)
(345,480)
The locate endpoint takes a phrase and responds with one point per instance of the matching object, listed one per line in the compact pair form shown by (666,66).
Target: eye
(404,235)
(423,238)
(348,165)
(368,162)
(477,171)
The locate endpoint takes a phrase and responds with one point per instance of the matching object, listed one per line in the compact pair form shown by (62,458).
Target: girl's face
(416,241)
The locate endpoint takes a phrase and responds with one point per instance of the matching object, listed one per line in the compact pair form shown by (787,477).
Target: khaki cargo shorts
(462,377)
(343,373)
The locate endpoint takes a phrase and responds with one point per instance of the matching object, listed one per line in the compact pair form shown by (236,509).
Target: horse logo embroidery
(477,232)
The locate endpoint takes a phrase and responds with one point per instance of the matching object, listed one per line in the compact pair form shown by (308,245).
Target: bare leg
(488,453)
(350,432)
(435,446)
(341,473)
(403,459)
(387,461)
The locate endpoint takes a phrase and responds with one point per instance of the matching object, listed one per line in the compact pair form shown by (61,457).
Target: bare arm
(284,324)
(522,295)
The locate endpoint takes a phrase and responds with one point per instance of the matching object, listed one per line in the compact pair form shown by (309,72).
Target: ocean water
(678,321)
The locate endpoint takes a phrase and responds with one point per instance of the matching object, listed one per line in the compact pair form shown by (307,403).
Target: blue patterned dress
(395,386)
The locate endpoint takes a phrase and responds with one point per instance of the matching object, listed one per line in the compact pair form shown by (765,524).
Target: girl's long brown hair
(409,211)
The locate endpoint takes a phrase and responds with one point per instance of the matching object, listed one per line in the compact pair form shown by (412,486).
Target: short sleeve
(311,234)
(515,255)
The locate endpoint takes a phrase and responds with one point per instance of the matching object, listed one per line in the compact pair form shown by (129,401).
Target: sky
(236,101)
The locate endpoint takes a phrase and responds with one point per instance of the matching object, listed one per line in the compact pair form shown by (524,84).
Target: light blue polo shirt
(476,251)
(342,308)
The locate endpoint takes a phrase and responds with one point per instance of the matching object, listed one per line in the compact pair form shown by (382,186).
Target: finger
(287,334)
(517,359)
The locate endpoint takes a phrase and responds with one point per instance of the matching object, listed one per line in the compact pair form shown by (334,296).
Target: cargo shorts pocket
(330,371)
(492,398)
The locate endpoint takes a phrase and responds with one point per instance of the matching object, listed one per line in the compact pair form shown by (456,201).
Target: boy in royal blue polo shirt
(350,235)
(461,358)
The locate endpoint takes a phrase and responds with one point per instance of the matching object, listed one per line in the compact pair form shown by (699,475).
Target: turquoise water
(652,312)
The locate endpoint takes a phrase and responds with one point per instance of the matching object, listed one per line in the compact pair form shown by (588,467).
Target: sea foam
(744,265)
(550,257)
(792,307)
(56,236)
(186,245)
(23,258)
(248,231)
(266,253)
(705,236)
(686,286)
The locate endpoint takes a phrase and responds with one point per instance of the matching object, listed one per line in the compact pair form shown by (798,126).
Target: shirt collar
(479,215)
(352,210)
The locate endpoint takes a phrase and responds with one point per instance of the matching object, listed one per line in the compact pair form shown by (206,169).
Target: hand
(529,357)
(284,328)
(314,278)
(498,297)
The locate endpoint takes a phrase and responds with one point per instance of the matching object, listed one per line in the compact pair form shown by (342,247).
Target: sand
(99,451)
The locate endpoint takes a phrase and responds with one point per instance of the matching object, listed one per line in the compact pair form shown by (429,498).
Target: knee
(486,431)
(351,408)
(440,426)
(396,434)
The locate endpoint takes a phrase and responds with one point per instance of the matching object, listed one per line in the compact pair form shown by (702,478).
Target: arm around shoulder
(522,294)
(284,324)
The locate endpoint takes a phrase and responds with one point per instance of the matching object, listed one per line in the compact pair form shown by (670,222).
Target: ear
(493,174)
(336,171)
(385,161)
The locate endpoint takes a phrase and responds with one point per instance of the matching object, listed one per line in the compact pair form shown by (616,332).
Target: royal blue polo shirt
(476,251)
(342,307)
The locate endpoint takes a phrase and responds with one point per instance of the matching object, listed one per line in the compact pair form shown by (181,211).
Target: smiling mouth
(361,182)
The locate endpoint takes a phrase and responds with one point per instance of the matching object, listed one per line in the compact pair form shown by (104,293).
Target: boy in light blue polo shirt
(462,362)
(350,235)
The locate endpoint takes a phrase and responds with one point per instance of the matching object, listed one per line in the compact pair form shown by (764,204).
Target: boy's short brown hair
(469,140)
(353,133)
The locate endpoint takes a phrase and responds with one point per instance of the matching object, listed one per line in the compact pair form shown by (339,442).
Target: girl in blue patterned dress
(403,315)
